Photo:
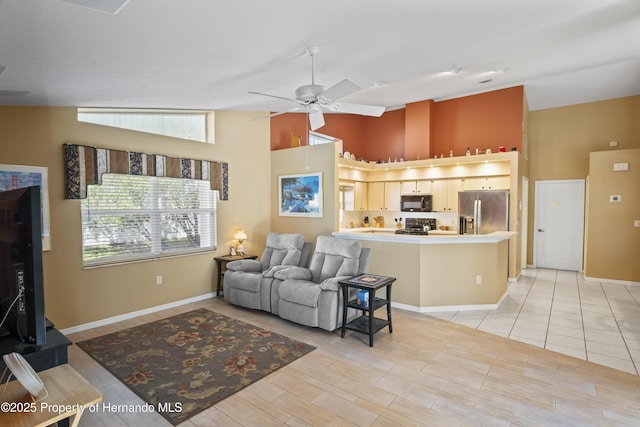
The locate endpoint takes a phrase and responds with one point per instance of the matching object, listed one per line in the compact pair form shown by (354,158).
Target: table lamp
(240,237)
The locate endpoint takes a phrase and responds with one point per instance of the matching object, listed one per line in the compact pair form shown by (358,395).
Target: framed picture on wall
(13,177)
(300,195)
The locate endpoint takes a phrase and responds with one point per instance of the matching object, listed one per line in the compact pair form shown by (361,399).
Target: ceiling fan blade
(340,90)
(363,110)
(316,119)
(273,96)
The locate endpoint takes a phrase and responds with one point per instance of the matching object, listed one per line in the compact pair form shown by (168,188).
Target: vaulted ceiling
(203,54)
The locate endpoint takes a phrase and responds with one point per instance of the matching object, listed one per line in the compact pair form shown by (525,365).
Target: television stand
(40,357)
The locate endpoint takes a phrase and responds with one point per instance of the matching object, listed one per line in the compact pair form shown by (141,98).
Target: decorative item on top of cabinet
(445,194)
(384,196)
(502,182)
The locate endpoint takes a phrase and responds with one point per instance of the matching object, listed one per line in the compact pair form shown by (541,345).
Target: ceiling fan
(314,98)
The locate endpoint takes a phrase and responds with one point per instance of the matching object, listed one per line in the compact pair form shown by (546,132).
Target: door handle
(540,230)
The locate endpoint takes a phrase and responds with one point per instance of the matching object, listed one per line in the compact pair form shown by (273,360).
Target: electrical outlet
(636,222)
(478,279)
(158,280)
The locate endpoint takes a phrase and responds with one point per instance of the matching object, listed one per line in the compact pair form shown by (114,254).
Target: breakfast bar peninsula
(439,272)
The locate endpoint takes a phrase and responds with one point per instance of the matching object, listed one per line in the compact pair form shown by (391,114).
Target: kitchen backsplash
(352,219)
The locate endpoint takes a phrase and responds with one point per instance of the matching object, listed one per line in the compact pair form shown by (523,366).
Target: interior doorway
(559,224)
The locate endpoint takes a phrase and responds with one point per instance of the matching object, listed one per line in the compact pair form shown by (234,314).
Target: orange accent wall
(423,129)
(375,138)
(419,130)
(486,120)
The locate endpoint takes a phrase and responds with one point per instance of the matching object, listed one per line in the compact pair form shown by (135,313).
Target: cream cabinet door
(376,196)
(360,196)
(408,187)
(453,187)
(499,182)
(445,194)
(392,196)
(487,183)
(424,187)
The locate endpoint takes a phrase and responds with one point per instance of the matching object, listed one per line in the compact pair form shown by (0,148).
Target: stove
(416,226)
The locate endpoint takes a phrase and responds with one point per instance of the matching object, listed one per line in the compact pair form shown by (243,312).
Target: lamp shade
(240,235)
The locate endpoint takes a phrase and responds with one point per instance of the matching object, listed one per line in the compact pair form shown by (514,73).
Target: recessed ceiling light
(108,6)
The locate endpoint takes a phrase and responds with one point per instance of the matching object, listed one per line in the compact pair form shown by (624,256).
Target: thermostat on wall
(616,198)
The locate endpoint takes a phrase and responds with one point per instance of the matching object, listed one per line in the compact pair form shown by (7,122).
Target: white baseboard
(615,282)
(133,314)
(441,308)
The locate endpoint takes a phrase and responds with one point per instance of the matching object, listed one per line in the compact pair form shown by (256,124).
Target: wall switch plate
(636,223)
(158,280)
(478,279)
(616,198)
(619,167)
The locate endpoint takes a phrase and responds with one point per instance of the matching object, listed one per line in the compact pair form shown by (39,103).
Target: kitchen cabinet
(416,187)
(384,196)
(360,196)
(488,183)
(353,196)
(445,194)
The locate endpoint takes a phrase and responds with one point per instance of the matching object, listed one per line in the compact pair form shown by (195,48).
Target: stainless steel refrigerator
(483,211)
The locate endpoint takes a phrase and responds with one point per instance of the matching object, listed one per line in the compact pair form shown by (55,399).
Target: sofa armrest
(331,284)
(271,272)
(248,265)
(291,272)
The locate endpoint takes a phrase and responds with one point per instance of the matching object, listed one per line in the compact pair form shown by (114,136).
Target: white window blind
(132,217)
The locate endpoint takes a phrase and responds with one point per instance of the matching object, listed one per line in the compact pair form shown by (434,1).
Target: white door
(524,214)
(559,224)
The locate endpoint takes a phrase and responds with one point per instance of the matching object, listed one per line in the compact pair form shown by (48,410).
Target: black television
(21,275)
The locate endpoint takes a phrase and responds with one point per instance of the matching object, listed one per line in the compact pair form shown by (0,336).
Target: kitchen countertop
(434,237)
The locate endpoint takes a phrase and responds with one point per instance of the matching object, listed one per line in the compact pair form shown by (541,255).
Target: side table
(69,396)
(221,262)
(367,324)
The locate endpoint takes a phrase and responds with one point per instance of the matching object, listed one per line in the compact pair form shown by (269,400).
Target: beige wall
(73,295)
(438,275)
(561,139)
(308,159)
(614,243)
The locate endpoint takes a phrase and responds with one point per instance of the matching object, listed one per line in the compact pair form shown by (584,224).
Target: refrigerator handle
(478,216)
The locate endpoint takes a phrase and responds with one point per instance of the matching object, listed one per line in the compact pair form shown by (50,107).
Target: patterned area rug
(185,364)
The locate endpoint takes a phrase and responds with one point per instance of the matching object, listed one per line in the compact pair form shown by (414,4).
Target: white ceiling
(204,54)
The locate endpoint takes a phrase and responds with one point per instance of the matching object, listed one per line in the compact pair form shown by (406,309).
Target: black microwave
(416,203)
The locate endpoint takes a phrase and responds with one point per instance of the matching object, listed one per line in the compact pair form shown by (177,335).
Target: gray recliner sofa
(251,283)
(313,296)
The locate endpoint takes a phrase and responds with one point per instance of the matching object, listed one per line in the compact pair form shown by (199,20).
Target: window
(316,138)
(191,125)
(132,217)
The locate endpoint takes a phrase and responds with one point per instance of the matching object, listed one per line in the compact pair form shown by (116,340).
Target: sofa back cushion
(334,257)
(282,249)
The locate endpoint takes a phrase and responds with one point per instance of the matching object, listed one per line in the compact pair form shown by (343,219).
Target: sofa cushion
(334,257)
(300,292)
(282,249)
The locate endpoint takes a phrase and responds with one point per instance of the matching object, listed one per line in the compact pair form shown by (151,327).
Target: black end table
(367,324)
(221,262)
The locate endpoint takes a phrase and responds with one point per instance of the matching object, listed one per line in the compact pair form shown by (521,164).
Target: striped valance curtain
(85,166)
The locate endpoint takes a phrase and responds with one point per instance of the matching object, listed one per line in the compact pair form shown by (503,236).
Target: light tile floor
(560,311)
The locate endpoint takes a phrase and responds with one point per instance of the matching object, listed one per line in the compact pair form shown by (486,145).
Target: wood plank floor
(429,372)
